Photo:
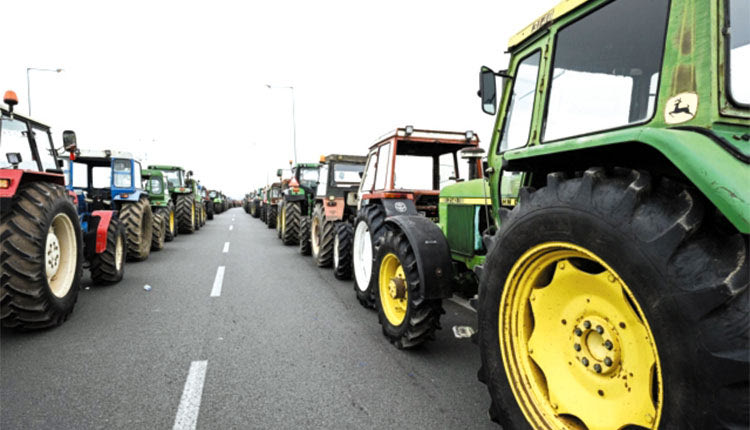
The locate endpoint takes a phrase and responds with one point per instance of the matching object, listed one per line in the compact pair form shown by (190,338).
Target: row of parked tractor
(63,210)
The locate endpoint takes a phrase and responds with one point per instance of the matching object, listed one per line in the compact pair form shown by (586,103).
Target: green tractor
(183,195)
(255,203)
(614,290)
(195,184)
(218,201)
(270,204)
(330,230)
(165,226)
(295,204)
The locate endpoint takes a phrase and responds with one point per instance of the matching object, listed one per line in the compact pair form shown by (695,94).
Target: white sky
(183,82)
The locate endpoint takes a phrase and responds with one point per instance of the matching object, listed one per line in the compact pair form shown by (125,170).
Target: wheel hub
(397,288)
(596,345)
(52,254)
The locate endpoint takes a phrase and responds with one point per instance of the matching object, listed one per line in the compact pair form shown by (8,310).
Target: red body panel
(105,217)
(18,176)
(334,209)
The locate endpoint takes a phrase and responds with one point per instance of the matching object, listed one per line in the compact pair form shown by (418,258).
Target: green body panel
(156,199)
(459,219)
(693,61)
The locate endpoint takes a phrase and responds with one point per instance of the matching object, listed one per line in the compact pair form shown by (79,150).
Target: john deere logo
(400,206)
(681,108)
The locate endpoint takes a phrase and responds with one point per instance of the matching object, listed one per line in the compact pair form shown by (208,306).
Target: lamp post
(28,81)
(294,120)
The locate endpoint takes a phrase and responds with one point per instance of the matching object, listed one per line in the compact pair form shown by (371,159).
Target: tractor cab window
(155,186)
(174,177)
(45,149)
(138,182)
(739,51)
(101,177)
(275,193)
(521,104)
(347,173)
(413,172)
(368,179)
(123,174)
(384,166)
(80,175)
(308,177)
(323,184)
(604,69)
(448,172)
(13,139)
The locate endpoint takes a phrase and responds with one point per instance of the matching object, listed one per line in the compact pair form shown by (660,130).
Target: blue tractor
(111,180)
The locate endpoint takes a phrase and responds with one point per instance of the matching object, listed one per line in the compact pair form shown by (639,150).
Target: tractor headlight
(469,135)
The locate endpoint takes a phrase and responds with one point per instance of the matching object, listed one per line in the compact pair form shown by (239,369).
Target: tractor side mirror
(14,158)
(190,173)
(69,140)
(278,172)
(488,90)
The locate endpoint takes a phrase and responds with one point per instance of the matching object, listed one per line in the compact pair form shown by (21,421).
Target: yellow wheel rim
(283,220)
(575,343)
(171,222)
(394,295)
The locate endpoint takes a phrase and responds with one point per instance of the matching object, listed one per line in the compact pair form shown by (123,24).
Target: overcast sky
(183,82)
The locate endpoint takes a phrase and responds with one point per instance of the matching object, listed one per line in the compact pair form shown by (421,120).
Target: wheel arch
(433,254)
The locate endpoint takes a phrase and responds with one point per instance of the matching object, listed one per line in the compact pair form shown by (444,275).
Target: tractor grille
(461,229)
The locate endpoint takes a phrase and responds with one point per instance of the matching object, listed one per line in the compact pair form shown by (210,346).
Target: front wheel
(369,230)
(138,220)
(159,235)
(304,236)
(612,292)
(186,213)
(342,251)
(108,266)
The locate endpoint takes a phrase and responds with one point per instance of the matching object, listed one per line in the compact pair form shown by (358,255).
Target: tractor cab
(178,180)
(156,185)
(411,166)
(340,176)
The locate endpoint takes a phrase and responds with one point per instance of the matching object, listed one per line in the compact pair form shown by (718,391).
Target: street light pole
(28,81)
(294,119)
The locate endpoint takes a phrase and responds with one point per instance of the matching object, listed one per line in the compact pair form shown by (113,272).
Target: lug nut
(586,325)
(608,361)
(578,331)
(585,361)
(608,345)
(598,368)
(577,347)
(599,329)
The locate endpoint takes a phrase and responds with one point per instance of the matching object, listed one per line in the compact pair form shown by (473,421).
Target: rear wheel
(41,250)
(407,318)
(614,277)
(169,215)
(209,210)
(271,216)
(108,266)
(305,247)
(290,230)
(322,237)
(138,220)
(279,219)
(158,237)
(369,230)
(186,213)
(342,251)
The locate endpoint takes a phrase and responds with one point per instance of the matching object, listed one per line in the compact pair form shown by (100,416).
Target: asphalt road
(278,344)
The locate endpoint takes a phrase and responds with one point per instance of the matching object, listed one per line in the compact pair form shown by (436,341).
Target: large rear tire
(171,220)
(186,214)
(292,213)
(41,257)
(138,220)
(615,277)
(322,237)
(271,216)
(159,235)
(342,251)
(369,231)
(305,247)
(407,318)
(108,267)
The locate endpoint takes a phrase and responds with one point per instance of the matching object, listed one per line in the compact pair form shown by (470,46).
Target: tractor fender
(128,196)
(16,177)
(100,220)
(433,254)
(295,197)
(398,207)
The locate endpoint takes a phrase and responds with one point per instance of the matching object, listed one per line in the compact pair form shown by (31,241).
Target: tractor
(111,180)
(614,289)
(270,204)
(207,203)
(162,207)
(296,202)
(42,241)
(404,173)
(255,203)
(183,197)
(216,201)
(329,231)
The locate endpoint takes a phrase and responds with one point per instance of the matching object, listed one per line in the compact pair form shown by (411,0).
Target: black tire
(271,216)
(159,234)
(304,236)
(26,299)
(138,221)
(186,213)
(322,236)
(290,229)
(373,217)
(263,214)
(422,316)
(170,222)
(279,208)
(686,267)
(342,251)
(106,268)
(255,209)
(210,210)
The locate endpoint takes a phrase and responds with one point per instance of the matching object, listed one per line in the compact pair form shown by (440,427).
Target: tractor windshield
(123,174)
(212,194)
(174,177)
(13,141)
(347,173)
(308,177)
(739,51)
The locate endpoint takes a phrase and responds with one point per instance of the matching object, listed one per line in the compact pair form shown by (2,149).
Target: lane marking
(190,403)
(226,247)
(231,227)
(216,290)
(462,302)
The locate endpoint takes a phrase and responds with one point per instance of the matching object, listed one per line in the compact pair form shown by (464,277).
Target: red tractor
(403,176)
(41,240)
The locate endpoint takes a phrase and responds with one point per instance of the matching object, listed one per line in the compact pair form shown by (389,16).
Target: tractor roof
(165,167)
(101,157)
(428,142)
(563,8)
(146,173)
(355,159)
(34,123)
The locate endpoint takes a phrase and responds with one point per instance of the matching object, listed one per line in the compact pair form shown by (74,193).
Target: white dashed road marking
(231,227)
(226,247)
(190,403)
(216,290)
